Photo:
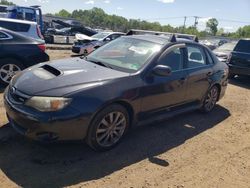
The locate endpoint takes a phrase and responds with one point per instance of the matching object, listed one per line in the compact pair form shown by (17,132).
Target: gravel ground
(192,150)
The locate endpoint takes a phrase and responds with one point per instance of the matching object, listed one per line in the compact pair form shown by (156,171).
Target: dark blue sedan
(133,80)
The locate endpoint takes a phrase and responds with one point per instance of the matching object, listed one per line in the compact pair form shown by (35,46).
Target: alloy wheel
(211,99)
(111,128)
(7,71)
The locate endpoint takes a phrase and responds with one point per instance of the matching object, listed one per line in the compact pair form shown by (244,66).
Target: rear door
(199,72)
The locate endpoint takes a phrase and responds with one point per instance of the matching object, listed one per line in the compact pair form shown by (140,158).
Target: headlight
(48,104)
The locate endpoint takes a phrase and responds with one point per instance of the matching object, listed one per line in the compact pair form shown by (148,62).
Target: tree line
(97,18)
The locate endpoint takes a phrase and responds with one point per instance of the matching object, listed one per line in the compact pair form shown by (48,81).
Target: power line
(167,18)
(235,21)
(197,18)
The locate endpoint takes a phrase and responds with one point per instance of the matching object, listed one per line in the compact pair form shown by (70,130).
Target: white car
(27,28)
(85,44)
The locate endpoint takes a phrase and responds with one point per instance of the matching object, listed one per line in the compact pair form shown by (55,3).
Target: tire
(210,100)
(108,128)
(8,68)
(85,53)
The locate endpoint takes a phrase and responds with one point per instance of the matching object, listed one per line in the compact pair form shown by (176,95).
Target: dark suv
(239,63)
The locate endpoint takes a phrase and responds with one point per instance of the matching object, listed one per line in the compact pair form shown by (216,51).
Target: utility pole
(185,19)
(196,21)
(184,26)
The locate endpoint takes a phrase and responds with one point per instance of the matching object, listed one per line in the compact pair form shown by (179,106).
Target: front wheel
(108,128)
(8,69)
(210,99)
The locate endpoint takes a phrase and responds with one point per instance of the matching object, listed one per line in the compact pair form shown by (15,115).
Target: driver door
(162,92)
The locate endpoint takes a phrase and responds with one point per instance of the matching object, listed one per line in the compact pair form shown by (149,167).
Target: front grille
(16,96)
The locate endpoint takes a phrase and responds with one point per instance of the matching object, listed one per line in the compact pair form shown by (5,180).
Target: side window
(173,59)
(114,36)
(196,57)
(209,58)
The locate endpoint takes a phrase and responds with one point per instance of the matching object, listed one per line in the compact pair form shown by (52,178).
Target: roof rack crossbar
(172,36)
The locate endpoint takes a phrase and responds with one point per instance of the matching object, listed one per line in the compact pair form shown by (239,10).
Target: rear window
(243,46)
(17,27)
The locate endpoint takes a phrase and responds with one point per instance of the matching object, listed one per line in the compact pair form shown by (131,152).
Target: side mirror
(108,39)
(162,70)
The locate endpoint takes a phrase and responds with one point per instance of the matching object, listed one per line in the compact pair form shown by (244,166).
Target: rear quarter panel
(27,54)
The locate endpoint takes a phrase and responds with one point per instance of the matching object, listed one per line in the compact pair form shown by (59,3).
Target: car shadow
(241,81)
(29,164)
(75,55)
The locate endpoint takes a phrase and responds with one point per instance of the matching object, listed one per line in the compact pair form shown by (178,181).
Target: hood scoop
(46,72)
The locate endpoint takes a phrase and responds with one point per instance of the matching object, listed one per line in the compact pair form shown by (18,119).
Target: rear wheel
(108,128)
(210,99)
(8,68)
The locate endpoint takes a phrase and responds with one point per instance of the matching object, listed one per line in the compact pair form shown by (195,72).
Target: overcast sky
(230,13)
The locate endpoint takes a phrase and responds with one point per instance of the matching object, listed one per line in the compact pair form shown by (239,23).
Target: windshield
(100,35)
(125,54)
(227,47)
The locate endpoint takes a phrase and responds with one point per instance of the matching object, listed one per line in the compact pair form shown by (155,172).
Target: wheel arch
(15,57)
(219,89)
(122,103)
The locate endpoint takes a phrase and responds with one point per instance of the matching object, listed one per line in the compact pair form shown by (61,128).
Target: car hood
(62,74)
(222,52)
(79,36)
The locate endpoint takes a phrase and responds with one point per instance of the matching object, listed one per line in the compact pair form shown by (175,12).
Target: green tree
(221,32)
(5,2)
(63,13)
(212,25)
(243,32)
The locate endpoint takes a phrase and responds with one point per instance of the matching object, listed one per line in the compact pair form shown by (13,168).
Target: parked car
(130,81)
(223,52)
(211,44)
(27,28)
(64,31)
(18,52)
(3,11)
(84,46)
(239,62)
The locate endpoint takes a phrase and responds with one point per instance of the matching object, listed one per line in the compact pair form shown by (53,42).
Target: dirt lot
(193,150)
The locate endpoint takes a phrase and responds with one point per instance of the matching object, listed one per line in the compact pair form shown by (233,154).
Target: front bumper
(67,124)
(233,69)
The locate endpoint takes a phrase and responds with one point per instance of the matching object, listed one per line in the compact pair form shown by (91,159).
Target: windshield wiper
(98,63)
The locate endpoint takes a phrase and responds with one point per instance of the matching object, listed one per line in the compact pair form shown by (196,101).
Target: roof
(151,38)
(110,32)
(160,39)
(18,21)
